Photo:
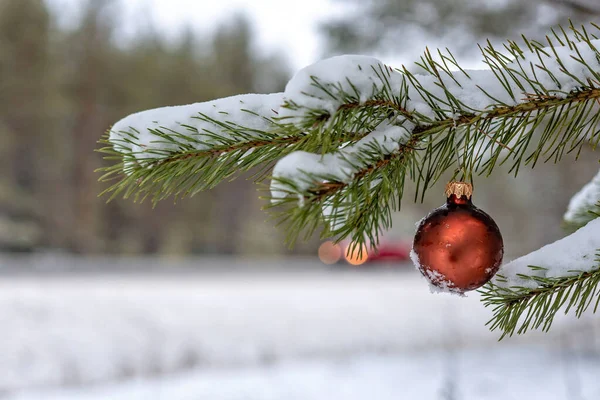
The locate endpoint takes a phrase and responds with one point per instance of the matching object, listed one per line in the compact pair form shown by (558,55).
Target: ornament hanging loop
(459,189)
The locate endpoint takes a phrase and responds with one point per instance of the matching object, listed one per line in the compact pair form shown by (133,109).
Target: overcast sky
(279,24)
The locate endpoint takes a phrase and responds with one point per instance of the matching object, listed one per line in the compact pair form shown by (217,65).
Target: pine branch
(552,116)
(362,203)
(349,131)
(188,171)
(429,153)
(475,122)
(174,154)
(518,309)
(528,292)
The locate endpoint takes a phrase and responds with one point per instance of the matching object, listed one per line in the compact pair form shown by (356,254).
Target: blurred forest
(62,87)
(391,27)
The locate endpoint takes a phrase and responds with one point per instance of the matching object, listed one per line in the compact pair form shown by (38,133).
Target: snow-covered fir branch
(348,132)
(337,102)
(528,292)
(515,112)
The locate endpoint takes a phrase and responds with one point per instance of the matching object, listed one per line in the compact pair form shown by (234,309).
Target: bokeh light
(330,253)
(356,255)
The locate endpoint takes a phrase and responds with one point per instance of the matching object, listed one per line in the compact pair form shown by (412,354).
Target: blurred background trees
(61,88)
(391,27)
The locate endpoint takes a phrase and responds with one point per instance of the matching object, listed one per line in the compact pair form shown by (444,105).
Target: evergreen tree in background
(383,26)
(62,86)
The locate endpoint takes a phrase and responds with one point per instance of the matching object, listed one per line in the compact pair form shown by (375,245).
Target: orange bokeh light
(330,253)
(356,255)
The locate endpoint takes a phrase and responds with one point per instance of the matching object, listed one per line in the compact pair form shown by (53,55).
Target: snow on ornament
(458,247)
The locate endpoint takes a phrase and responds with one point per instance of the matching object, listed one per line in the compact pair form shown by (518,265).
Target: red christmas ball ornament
(458,247)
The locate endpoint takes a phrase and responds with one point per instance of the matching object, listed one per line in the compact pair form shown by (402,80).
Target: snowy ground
(304,334)
(519,373)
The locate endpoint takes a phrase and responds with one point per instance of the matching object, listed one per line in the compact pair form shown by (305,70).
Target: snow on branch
(529,291)
(339,166)
(566,257)
(585,205)
(321,89)
(178,151)
(162,131)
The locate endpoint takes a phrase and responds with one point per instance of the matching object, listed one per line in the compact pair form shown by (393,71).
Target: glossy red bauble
(458,247)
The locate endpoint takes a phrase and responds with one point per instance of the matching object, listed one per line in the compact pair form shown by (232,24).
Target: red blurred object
(390,252)
(395,253)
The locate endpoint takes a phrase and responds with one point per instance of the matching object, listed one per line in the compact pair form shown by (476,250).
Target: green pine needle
(518,309)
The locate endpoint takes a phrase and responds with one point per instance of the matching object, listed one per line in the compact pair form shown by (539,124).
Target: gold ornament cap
(459,189)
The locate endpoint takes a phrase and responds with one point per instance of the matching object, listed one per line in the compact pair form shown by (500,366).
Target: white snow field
(293,331)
